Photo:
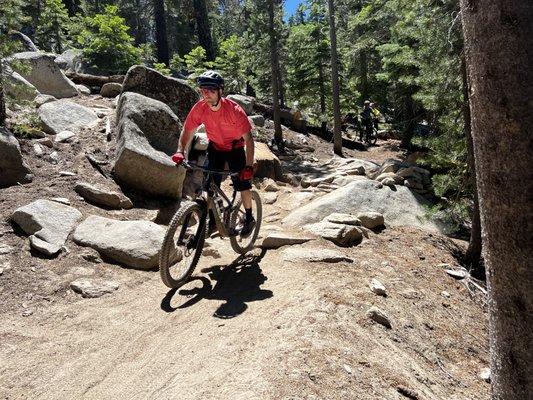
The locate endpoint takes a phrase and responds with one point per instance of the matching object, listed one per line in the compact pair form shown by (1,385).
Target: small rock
(379,316)
(93,288)
(1,271)
(64,136)
(378,288)
(299,254)
(270,198)
(111,89)
(27,312)
(42,99)
(445,294)
(347,368)
(269,185)
(101,114)
(82,89)
(5,249)
(371,219)
(46,142)
(93,257)
(340,218)
(485,375)
(61,200)
(81,271)
(66,173)
(457,273)
(38,150)
(50,249)
(54,157)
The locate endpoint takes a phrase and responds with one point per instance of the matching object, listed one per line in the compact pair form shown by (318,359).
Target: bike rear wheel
(183,244)
(239,244)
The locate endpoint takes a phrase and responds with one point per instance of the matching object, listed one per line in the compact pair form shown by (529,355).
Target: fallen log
(93,80)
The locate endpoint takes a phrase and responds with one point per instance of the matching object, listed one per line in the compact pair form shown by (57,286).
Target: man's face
(211,96)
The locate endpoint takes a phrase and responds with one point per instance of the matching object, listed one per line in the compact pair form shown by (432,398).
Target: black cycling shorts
(236,159)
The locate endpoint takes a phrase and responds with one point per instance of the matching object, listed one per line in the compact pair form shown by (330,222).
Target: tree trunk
(365,92)
(2,99)
(72,6)
(498,42)
(337,138)
(410,124)
(473,253)
(204,29)
(278,134)
(322,92)
(161,41)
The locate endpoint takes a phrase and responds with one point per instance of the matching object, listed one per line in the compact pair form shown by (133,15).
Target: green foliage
(52,25)
(177,63)
(12,17)
(106,43)
(196,61)
(230,64)
(162,68)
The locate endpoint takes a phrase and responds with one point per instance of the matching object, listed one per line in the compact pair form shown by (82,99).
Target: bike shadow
(236,284)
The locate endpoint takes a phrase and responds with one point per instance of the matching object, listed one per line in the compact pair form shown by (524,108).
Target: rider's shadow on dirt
(237,284)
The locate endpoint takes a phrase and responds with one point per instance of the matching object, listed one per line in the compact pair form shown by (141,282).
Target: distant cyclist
(375,115)
(229,134)
(366,120)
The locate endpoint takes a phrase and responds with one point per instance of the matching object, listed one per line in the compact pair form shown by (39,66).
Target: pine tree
(52,26)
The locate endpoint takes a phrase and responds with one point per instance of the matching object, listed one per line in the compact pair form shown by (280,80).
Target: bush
(106,43)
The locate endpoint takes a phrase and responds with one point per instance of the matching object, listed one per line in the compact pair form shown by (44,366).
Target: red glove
(247,173)
(178,158)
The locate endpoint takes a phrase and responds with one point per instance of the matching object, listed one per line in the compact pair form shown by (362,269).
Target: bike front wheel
(183,244)
(243,244)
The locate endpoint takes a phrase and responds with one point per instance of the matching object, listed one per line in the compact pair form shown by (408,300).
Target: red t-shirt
(224,126)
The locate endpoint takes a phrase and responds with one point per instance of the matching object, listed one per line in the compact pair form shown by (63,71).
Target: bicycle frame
(210,198)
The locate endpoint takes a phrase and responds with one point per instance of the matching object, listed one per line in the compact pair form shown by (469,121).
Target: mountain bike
(186,233)
(369,134)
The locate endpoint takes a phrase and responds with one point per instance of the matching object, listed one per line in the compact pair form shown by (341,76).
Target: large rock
(246,102)
(135,244)
(266,164)
(24,41)
(400,207)
(175,93)
(64,115)
(49,223)
(110,89)
(148,133)
(257,120)
(100,195)
(13,170)
(72,60)
(93,287)
(340,234)
(42,72)
(17,87)
(276,240)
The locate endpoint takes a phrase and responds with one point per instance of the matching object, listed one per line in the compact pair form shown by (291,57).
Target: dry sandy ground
(245,328)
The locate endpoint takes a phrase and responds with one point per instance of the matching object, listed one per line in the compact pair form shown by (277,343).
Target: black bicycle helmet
(210,80)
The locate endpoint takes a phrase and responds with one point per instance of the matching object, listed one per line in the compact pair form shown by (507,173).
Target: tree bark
(94,80)
(410,117)
(161,40)
(365,92)
(204,29)
(337,137)
(2,99)
(499,41)
(473,253)
(322,92)
(278,134)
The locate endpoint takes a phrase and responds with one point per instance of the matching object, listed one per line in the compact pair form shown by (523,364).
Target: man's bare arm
(249,143)
(184,140)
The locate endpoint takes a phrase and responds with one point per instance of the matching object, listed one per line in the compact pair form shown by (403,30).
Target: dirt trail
(245,328)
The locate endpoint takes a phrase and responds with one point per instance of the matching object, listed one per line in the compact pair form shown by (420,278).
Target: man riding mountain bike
(366,120)
(230,140)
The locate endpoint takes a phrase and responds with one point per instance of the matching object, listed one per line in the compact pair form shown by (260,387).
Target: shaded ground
(252,327)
